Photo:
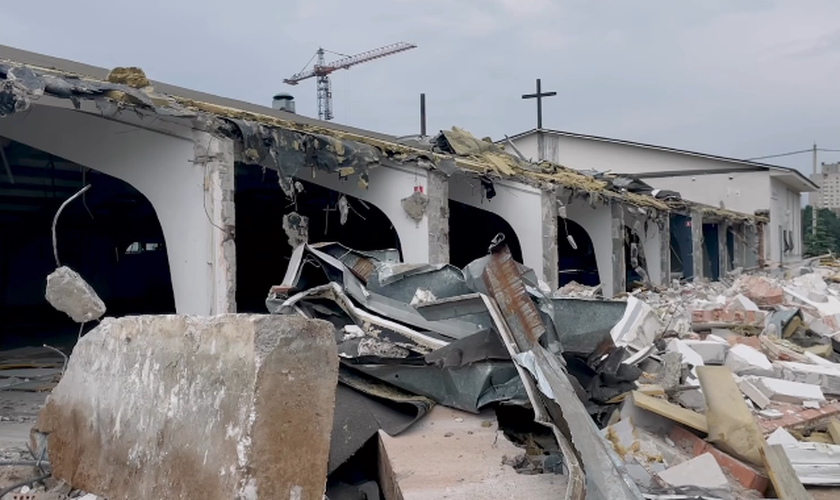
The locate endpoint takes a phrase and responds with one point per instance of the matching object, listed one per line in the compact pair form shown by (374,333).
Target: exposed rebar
(55,222)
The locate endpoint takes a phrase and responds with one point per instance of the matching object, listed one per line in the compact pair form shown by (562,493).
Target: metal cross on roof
(539,97)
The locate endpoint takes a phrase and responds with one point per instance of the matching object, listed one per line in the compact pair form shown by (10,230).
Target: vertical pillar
(697,244)
(664,223)
(740,239)
(619,267)
(723,248)
(219,185)
(761,246)
(438,214)
(548,203)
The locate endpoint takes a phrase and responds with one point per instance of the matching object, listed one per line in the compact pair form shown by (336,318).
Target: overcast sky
(740,78)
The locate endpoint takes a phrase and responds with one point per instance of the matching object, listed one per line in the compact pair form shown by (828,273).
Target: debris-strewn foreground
(482,383)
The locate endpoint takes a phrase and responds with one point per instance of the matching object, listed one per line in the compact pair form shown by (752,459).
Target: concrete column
(741,247)
(548,201)
(664,222)
(723,248)
(217,157)
(438,214)
(697,244)
(619,267)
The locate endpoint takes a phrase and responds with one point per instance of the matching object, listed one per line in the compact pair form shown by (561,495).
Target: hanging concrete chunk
(71,294)
(221,408)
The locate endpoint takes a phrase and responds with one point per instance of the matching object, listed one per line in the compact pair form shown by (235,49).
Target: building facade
(738,185)
(828,180)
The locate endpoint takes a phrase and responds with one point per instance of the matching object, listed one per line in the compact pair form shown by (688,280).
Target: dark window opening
(576,254)
(111,237)
(470,231)
(634,259)
(262,247)
(711,252)
(682,259)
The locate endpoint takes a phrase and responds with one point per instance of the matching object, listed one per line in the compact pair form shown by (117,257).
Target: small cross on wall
(539,97)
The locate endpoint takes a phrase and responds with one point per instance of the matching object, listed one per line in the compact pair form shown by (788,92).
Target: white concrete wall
(516,203)
(785,214)
(743,192)
(162,168)
(597,221)
(586,154)
(387,186)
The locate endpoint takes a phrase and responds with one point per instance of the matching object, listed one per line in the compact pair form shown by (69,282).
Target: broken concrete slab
(420,464)
(828,378)
(702,471)
(638,327)
(692,399)
(712,351)
(815,464)
(754,393)
(744,360)
(69,293)
(781,436)
(196,408)
(787,391)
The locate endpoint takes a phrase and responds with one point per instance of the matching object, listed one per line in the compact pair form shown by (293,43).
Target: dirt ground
(18,411)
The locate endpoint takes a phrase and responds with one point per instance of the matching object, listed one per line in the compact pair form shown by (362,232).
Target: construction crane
(322,71)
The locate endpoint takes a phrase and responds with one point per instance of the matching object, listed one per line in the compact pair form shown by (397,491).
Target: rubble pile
(476,382)
(692,377)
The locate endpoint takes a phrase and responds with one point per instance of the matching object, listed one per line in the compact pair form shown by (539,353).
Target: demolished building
(437,262)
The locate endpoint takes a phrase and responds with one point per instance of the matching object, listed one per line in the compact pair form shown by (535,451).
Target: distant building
(740,185)
(828,196)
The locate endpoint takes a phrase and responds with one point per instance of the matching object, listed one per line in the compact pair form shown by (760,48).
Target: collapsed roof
(289,145)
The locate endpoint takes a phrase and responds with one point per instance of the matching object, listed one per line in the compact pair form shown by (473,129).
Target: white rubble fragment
(819,360)
(828,378)
(716,338)
(741,302)
(771,414)
(781,436)
(638,327)
(422,296)
(71,294)
(702,471)
(712,352)
(744,360)
(754,393)
(689,357)
(815,464)
(785,391)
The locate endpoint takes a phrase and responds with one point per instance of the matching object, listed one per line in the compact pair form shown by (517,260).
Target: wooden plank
(834,430)
(671,411)
(782,475)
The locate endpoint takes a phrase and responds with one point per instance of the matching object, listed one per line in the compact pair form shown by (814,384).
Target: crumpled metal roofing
(284,145)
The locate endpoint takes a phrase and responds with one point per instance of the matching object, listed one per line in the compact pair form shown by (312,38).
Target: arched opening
(111,237)
(470,231)
(262,247)
(576,254)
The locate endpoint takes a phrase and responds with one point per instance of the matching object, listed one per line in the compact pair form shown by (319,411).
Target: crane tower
(322,70)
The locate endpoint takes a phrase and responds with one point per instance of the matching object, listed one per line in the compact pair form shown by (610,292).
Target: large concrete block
(221,408)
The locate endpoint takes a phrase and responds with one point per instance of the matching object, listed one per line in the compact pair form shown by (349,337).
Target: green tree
(827,238)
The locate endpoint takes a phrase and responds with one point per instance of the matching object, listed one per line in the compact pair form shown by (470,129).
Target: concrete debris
(415,205)
(148,404)
(702,471)
(461,382)
(71,294)
(296,227)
